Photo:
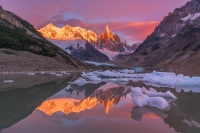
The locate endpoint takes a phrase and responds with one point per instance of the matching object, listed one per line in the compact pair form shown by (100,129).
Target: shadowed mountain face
(17,35)
(89,54)
(17,104)
(174,44)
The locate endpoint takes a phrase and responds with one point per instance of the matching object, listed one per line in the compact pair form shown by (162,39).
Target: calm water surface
(57,106)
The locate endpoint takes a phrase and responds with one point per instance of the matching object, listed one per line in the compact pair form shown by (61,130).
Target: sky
(132,20)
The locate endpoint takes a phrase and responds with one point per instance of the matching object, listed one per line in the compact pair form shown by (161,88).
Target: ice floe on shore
(158,79)
(8,81)
(163,78)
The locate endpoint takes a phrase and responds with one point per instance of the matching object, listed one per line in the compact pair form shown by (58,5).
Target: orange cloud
(137,30)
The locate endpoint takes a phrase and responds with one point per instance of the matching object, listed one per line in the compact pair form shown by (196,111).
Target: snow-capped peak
(64,33)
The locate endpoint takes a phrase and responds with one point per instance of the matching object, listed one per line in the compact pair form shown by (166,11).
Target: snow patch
(195,16)
(163,34)
(189,16)
(173,35)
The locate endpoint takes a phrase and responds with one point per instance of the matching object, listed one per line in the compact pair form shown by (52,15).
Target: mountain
(66,32)
(81,49)
(174,44)
(112,42)
(108,44)
(75,41)
(24,47)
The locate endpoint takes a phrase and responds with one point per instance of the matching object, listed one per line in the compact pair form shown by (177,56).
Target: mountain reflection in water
(107,107)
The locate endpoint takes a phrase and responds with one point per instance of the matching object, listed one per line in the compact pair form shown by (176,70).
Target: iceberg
(142,100)
(154,93)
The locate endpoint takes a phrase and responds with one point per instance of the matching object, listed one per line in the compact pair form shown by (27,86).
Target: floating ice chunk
(127,71)
(138,97)
(187,81)
(164,79)
(42,72)
(195,89)
(153,90)
(92,76)
(158,102)
(64,72)
(58,75)
(155,94)
(142,100)
(8,81)
(80,81)
(52,73)
(30,73)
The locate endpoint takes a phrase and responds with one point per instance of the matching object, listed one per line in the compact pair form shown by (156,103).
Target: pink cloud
(122,16)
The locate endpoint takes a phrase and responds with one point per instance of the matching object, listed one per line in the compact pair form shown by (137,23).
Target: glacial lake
(52,104)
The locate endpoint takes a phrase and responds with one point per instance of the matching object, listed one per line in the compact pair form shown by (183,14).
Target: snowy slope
(66,32)
(69,45)
(110,54)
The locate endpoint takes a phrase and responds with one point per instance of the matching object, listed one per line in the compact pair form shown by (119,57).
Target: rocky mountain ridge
(108,43)
(174,44)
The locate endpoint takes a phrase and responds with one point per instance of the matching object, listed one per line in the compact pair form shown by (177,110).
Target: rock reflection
(137,112)
(184,114)
(108,95)
(18,103)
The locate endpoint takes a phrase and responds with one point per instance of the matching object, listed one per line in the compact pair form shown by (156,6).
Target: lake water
(54,105)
